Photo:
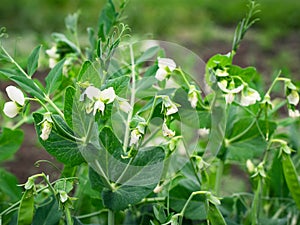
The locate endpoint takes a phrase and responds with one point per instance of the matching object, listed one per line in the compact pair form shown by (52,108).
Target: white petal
(223,85)
(237,89)
(167,132)
(250,97)
(222,73)
(15,94)
(52,52)
(171,110)
(108,95)
(166,62)
(52,62)
(294,113)
(92,92)
(293,98)
(134,137)
(98,106)
(10,109)
(46,130)
(193,99)
(229,98)
(161,74)
(125,106)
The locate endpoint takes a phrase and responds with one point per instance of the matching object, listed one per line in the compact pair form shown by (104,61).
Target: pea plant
(148,133)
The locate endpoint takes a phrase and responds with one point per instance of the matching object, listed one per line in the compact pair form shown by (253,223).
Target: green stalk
(111,217)
(256,204)
(68,216)
(219,177)
(132,100)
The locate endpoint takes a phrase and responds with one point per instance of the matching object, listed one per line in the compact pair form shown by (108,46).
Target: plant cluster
(144,139)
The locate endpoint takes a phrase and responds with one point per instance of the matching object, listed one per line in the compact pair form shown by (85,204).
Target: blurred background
(204,26)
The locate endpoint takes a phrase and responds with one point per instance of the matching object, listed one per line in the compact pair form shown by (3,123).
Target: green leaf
(54,78)
(85,66)
(291,177)
(9,186)
(68,105)
(25,83)
(107,20)
(58,37)
(48,213)
(71,22)
(250,145)
(214,215)
(245,73)
(139,175)
(180,193)
(8,147)
(26,208)
(33,60)
(119,84)
(60,143)
(148,54)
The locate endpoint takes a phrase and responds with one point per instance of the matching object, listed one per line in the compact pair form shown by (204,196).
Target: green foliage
(144,141)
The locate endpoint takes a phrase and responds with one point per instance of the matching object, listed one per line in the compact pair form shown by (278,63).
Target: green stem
(54,106)
(219,177)
(111,217)
(181,214)
(92,214)
(256,204)
(15,63)
(245,130)
(68,216)
(132,101)
(20,123)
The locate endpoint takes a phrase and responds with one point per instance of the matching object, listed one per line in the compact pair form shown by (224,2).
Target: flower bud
(46,130)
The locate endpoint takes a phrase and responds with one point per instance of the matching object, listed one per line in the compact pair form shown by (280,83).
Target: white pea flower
(221,73)
(249,97)
(165,66)
(99,98)
(46,130)
(193,96)
(63,196)
(293,98)
(250,166)
(169,105)
(135,136)
(46,126)
(229,98)
(158,189)
(203,132)
(229,91)
(53,56)
(294,113)
(167,132)
(12,108)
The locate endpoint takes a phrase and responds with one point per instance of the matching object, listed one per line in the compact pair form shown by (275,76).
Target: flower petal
(293,97)
(15,94)
(92,92)
(99,105)
(108,95)
(161,74)
(10,109)
(125,106)
(166,62)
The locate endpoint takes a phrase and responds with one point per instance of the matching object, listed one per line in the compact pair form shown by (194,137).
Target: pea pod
(291,177)
(25,212)
(214,215)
